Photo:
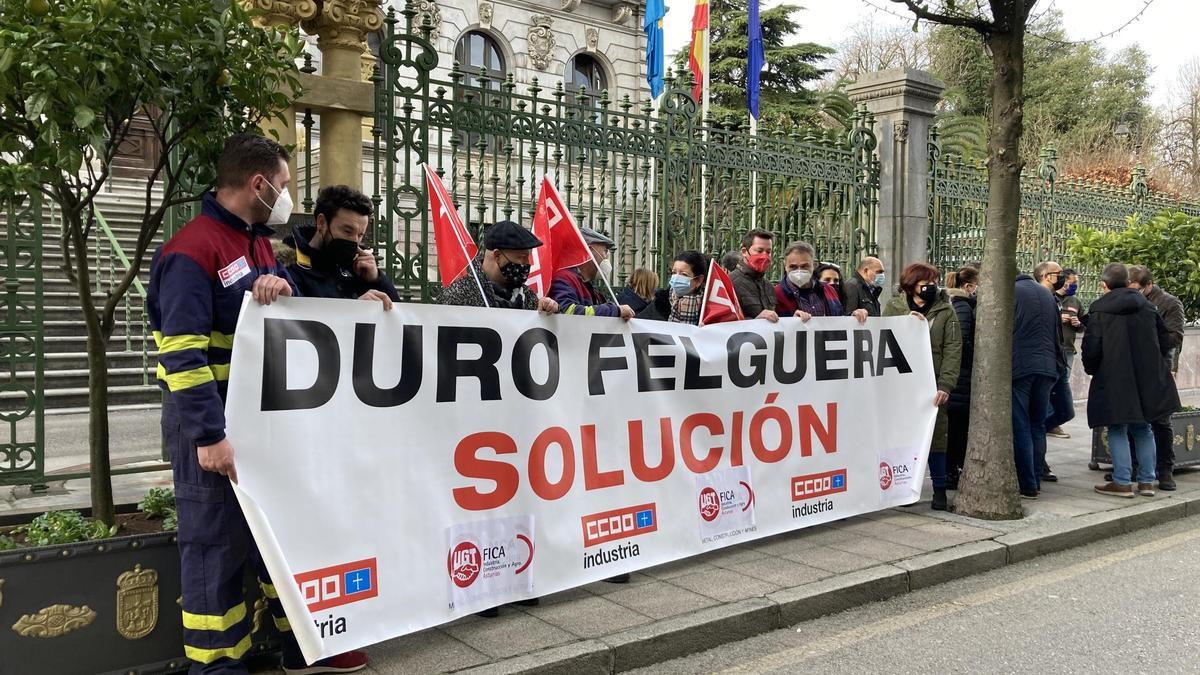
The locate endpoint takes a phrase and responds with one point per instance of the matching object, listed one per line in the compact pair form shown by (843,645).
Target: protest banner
(406,468)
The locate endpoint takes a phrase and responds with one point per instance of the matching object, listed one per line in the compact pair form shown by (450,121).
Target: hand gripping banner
(402,469)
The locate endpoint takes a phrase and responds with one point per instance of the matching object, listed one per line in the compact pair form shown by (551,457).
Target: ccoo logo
(710,504)
(464,563)
(885,475)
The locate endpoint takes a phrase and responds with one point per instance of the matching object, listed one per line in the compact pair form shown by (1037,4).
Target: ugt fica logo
(339,585)
(885,475)
(710,504)
(464,563)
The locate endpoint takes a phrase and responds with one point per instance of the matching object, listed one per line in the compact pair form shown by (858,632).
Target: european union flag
(756,59)
(645,518)
(357,581)
(655,55)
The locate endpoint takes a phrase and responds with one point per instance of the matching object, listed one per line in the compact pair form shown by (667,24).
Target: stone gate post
(903,101)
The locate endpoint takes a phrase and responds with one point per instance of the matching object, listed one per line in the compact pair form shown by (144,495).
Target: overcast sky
(1167,31)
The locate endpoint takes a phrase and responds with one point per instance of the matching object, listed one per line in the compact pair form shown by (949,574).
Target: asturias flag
(696,59)
(455,247)
(756,60)
(653,25)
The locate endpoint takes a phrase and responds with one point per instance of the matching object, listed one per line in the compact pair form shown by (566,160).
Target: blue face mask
(680,284)
(1072,289)
(880,279)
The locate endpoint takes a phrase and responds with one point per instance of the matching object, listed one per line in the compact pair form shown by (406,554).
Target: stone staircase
(131,352)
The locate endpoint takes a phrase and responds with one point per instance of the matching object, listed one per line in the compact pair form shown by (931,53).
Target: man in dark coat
(755,294)
(330,259)
(499,273)
(1171,311)
(1123,350)
(1035,368)
(864,288)
(1062,407)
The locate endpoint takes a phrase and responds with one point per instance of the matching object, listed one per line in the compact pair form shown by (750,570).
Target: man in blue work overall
(197,282)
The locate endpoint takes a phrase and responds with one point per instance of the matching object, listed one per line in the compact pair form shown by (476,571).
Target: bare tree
(1179,139)
(871,45)
(988,486)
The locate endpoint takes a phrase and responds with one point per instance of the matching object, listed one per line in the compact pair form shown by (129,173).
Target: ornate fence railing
(657,180)
(22,355)
(958,199)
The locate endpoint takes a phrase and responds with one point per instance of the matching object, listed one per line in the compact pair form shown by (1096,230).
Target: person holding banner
(198,280)
(330,260)
(921,297)
(503,267)
(688,274)
(800,294)
(573,289)
(754,293)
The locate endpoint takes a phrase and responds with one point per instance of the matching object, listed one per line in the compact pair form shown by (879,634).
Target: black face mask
(341,253)
(515,273)
(1059,282)
(928,293)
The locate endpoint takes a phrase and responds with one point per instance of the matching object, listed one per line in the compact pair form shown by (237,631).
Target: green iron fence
(22,359)
(626,169)
(958,198)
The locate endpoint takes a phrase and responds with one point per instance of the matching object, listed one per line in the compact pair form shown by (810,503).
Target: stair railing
(111,262)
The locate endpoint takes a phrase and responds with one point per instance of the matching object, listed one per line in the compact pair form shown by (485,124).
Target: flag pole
(474,272)
(753,174)
(704,95)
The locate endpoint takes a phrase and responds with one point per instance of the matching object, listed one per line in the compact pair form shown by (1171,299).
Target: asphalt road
(1124,605)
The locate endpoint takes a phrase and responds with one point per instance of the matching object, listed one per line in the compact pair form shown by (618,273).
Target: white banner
(410,467)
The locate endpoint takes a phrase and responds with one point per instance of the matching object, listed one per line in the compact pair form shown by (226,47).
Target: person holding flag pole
(455,246)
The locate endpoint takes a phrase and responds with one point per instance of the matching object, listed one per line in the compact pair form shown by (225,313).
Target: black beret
(509,236)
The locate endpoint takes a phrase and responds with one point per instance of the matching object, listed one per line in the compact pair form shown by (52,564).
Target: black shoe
(619,579)
(489,613)
(1029,494)
(531,602)
(952,483)
(1166,480)
(1049,477)
(1108,477)
(939,500)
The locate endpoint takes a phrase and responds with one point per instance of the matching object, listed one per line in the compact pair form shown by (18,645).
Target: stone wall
(1187,379)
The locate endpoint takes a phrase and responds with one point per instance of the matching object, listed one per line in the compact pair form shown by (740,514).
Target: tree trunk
(97,351)
(989,484)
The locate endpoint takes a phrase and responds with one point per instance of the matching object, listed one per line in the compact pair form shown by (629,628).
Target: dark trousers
(1030,401)
(1164,444)
(215,546)
(1062,405)
(956,439)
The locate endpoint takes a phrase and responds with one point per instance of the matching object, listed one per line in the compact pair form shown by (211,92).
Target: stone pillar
(285,15)
(902,100)
(341,26)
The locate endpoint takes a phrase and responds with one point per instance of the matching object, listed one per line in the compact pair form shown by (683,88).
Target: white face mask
(800,278)
(282,210)
(606,269)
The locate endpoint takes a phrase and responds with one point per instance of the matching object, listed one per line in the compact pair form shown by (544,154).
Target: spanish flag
(698,58)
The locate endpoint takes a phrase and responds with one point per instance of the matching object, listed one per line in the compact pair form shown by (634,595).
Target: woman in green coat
(920,296)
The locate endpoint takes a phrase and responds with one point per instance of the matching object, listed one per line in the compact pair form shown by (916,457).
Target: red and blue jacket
(197,282)
(575,295)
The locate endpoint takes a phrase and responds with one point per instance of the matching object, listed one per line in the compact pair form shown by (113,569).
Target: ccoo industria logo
(631,521)
(339,585)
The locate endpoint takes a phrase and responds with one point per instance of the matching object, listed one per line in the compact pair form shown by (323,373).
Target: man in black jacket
(330,263)
(1171,311)
(1036,361)
(862,290)
(1123,350)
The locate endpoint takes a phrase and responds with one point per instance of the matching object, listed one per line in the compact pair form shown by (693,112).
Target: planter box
(1186,427)
(100,606)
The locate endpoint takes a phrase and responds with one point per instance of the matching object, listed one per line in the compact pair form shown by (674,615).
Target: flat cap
(509,236)
(593,237)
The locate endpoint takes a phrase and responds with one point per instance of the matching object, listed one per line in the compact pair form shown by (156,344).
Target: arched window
(585,71)
(476,53)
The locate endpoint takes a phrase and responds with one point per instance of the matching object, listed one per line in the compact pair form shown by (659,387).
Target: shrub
(64,527)
(160,503)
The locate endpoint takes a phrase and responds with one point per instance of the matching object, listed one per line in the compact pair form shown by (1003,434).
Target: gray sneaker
(1057,432)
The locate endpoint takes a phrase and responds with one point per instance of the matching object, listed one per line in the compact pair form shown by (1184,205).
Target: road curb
(714,626)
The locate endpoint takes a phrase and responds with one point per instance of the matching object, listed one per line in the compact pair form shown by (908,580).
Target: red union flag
(720,302)
(455,247)
(562,244)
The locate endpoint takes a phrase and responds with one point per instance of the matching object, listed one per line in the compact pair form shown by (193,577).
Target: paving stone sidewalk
(728,594)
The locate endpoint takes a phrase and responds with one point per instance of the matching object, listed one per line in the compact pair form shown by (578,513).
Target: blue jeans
(1062,406)
(1030,401)
(1143,444)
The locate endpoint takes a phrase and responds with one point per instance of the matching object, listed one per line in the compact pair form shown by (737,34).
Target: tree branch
(973,22)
